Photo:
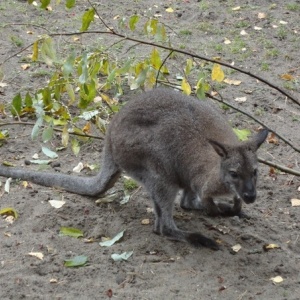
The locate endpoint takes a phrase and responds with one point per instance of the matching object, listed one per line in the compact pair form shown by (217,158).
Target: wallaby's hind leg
(163,195)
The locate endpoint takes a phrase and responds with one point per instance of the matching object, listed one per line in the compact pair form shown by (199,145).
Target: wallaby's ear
(219,148)
(260,137)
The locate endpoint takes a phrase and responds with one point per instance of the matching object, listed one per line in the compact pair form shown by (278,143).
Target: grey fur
(170,142)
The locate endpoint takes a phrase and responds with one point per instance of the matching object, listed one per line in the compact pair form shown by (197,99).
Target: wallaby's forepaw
(198,240)
(243,215)
(227,210)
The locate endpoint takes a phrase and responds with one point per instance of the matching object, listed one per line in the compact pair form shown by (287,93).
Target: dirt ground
(159,268)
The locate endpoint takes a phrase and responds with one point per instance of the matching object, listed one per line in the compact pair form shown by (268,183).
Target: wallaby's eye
(255,172)
(233,174)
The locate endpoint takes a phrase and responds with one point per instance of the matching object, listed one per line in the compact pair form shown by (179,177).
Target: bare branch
(279,167)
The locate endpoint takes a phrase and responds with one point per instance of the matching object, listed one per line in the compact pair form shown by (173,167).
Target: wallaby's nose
(249,197)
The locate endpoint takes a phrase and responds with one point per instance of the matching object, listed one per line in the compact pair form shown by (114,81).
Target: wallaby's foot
(198,240)
(193,238)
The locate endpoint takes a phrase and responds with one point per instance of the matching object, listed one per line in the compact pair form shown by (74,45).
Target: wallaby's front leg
(190,200)
(210,206)
(229,210)
(222,209)
(163,195)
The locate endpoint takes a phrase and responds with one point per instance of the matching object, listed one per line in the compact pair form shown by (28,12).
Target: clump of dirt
(264,39)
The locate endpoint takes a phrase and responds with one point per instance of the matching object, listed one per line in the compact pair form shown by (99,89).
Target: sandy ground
(158,268)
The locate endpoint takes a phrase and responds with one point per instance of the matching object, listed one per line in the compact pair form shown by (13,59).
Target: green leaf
(83,69)
(16,105)
(48,52)
(65,137)
(47,99)
(75,146)
(70,231)
(9,211)
(151,26)
(68,66)
(77,261)
(87,18)
(70,3)
(28,100)
(49,152)
(161,34)
(4,135)
(186,88)
(132,22)
(123,256)
(35,51)
(155,59)
(71,93)
(40,161)
(109,243)
(189,66)
(242,134)
(47,134)
(36,128)
(44,3)
(217,73)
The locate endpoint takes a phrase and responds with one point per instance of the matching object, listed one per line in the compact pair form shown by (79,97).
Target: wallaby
(170,142)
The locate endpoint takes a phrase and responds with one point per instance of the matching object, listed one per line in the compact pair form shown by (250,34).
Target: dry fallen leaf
(236,248)
(227,41)
(56,203)
(9,219)
(272,139)
(261,15)
(53,280)
(78,168)
(283,22)
(236,8)
(243,32)
(295,202)
(268,247)
(25,66)
(276,279)
(232,81)
(39,255)
(87,128)
(240,99)
(169,10)
(145,221)
(287,77)
(257,28)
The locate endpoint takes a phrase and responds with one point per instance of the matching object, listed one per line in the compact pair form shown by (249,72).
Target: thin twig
(256,120)
(111,32)
(54,128)
(158,72)
(279,167)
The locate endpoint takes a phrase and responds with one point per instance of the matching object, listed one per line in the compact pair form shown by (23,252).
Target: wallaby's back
(165,128)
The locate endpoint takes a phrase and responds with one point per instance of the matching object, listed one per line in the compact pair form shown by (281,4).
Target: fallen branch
(279,167)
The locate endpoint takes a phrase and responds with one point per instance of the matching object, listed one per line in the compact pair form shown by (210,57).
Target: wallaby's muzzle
(249,197)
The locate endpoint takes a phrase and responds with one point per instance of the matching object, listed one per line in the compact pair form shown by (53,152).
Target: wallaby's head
(239,166)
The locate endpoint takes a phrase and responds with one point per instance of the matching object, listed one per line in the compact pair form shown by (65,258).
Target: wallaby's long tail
(90,186)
